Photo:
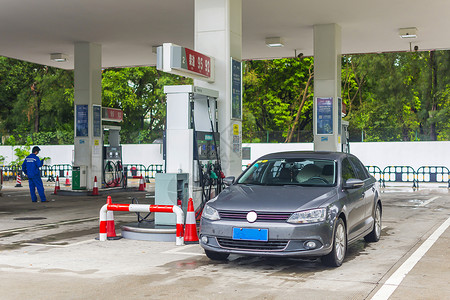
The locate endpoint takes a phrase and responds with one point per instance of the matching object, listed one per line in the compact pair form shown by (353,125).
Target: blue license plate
(250,234)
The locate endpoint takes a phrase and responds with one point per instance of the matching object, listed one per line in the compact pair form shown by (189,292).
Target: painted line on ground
(60,246)
(48,225)
(397,277)
(429,201)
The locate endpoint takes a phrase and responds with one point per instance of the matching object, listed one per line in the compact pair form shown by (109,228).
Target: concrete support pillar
(88,93)
(218,33)
(327,87)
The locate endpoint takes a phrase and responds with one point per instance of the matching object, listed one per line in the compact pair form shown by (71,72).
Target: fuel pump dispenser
(345,137)
(113,172)
(192,145)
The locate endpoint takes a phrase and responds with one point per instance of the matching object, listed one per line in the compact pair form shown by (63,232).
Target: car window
(300,171)
(347,170)
(361,171)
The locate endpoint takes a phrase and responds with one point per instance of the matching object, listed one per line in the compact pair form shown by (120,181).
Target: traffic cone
(141,184)
(67,179)
(57,187)
(190,230)
(18,181)
(57,183)
(110,226)
(95,188)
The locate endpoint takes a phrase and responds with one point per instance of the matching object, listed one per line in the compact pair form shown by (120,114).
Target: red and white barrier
(109,206)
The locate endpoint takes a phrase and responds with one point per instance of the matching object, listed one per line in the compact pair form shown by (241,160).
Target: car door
(354,202)
(369,189)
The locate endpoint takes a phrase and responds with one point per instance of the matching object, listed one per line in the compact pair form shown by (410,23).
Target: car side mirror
(228,180)
(353,183)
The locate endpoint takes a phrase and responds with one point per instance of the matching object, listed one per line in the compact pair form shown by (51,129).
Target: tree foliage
(139,92)
(388,97)
(277,97)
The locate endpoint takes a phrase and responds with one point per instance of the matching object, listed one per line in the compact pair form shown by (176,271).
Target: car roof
(306,154)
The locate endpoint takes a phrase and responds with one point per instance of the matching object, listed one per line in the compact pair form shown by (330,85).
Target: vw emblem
(252,216)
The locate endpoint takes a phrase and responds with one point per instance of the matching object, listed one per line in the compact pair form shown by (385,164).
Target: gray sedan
(296,204)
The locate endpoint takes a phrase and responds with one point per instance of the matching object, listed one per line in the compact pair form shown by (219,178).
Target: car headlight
(210,213)
(308,216)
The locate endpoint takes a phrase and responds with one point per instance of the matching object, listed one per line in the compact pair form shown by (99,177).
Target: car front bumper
(284,239)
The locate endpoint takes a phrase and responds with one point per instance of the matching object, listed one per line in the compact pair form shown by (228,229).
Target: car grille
(252,245)
(262,216)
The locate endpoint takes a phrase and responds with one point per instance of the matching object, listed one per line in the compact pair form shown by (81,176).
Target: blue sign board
(82,120)
(324,115)
(236,89)
(97,126)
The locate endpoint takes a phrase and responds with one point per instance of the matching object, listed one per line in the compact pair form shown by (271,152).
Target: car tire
(374,235)
(337,254)
(216,255)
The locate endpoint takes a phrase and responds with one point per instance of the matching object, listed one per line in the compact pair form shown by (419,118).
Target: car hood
(287,198)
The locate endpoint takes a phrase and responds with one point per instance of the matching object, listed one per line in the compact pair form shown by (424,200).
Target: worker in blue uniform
(31,167)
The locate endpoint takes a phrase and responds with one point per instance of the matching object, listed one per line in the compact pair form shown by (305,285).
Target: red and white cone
(190,230)
(141,184)
(57,187)
(110,226)
(18,181)
(57,184)
(67,179)
(95,188)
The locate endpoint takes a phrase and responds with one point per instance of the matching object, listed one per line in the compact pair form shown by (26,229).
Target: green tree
(139,92)
(277,97)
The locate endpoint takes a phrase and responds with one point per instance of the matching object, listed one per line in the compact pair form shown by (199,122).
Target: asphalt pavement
(49,251)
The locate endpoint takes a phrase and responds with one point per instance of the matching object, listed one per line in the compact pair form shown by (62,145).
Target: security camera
(416,48)
(299,55)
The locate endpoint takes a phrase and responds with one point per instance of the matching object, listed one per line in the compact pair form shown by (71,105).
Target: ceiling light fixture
(58,57)
(274,42)
(408,33)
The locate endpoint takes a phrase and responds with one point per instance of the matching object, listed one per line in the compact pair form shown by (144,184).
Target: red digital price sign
(196,62)
(112,114)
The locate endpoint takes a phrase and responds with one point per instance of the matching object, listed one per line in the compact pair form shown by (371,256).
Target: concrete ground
(49,251)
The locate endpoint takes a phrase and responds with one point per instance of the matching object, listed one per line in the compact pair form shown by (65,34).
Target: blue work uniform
(31,167)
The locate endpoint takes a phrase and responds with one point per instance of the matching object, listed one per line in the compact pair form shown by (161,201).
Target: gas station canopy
(128,30)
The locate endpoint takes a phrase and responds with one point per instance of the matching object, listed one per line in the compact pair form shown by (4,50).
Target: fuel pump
(192,142)
(113,172)
(345,137)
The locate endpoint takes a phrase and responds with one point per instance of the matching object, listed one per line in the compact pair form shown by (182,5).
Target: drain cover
(30,218)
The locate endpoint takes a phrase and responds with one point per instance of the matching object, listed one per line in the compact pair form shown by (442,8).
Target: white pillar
(88,92)
(218,33)
(327,87)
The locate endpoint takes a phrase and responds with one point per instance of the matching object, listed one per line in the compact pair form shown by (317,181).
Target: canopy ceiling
(30,30)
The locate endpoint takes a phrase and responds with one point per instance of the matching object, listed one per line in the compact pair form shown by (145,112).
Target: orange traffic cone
(190,231)
(67,179)
(141,184)
(18,181)
(95,188)
(110,226)
(57,188)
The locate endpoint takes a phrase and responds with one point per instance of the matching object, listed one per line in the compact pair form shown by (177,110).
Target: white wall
(145,154)
(381,154)
(414,154)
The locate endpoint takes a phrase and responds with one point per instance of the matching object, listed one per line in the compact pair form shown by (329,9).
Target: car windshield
(300,171)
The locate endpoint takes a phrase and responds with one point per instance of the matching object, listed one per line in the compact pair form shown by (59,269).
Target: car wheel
(337,255)
(216,255)
(374,235)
